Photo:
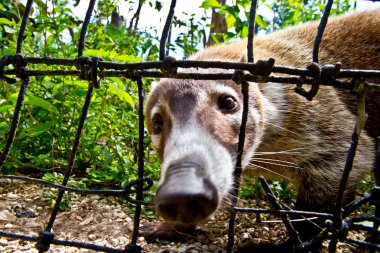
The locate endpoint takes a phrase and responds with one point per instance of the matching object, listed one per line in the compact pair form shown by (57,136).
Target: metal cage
(94,69)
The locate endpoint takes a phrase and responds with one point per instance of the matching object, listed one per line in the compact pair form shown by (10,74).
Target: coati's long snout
(195,126)
(186,194)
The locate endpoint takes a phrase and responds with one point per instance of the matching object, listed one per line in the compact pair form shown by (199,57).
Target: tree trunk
(116,18)
(218,25)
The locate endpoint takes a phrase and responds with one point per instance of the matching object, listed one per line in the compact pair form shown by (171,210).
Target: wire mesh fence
(95,69)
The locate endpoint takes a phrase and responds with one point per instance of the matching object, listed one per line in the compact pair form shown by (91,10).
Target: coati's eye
(227,103)
(157,123)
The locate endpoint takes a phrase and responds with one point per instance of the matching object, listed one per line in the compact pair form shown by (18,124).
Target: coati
(194,125)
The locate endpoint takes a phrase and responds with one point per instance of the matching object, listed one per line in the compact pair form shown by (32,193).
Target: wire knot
(139,187)
(263,68)
(94,72)
(44,241)
(238,77)
(83,64)
(167,65)
(330,72)
(343,232)
(316,74)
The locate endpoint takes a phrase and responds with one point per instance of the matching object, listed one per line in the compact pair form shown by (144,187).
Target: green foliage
(285,13)
(68,197)
(365,186)
(251,188)
(189,40)
(52,106)
(294,12)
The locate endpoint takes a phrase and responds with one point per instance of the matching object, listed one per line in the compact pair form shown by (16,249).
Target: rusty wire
(94,70)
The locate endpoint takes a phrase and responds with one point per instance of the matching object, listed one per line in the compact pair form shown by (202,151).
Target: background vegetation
(108,151)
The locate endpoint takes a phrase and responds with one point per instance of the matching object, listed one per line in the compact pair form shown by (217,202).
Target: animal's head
(194,127)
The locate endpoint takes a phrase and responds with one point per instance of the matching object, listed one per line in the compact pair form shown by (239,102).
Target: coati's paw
(166,231)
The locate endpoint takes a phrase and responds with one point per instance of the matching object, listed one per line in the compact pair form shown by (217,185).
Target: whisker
(282,128)
(239,199)
(277,164)
(275,160)
(286,152)
(271,171)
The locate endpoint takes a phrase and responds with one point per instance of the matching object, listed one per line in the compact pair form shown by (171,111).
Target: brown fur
(322,128)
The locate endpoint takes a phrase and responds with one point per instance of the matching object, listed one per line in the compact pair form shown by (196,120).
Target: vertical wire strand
(24,85)
(83,32)
(73,153)
(251,31)
(377,205)
(321,29)
(238,167)
(245,92)
(169,40)
(165,31)
(82,119)
(140,170)
(15,120)
(21,33)
(360,122)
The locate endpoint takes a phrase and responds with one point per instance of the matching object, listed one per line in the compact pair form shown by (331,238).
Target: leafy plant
(108,150)
(251,188)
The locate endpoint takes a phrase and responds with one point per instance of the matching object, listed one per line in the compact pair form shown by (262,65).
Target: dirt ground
(107,221)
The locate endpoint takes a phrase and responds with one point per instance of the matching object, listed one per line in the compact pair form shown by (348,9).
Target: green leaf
(4,128)
(6,108)
(210,4)
(261,22)
(14,96)
(40,129)
(50,40)
(41,6)
(32,100)
(2,8)
(158,5)
(4,21)
(230,20)
(97,52)
(124,96)
(244,32)
(127,58)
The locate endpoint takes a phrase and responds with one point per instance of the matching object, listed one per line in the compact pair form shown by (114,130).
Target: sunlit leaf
(210,4)
(124,96)
(40,129)
(6,108)
(261,22)
(127,58)
(230,20)
(32,100)
(4,21)
(41,103)
(2,8)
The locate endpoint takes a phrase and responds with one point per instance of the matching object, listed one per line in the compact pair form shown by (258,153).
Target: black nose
(186,195)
